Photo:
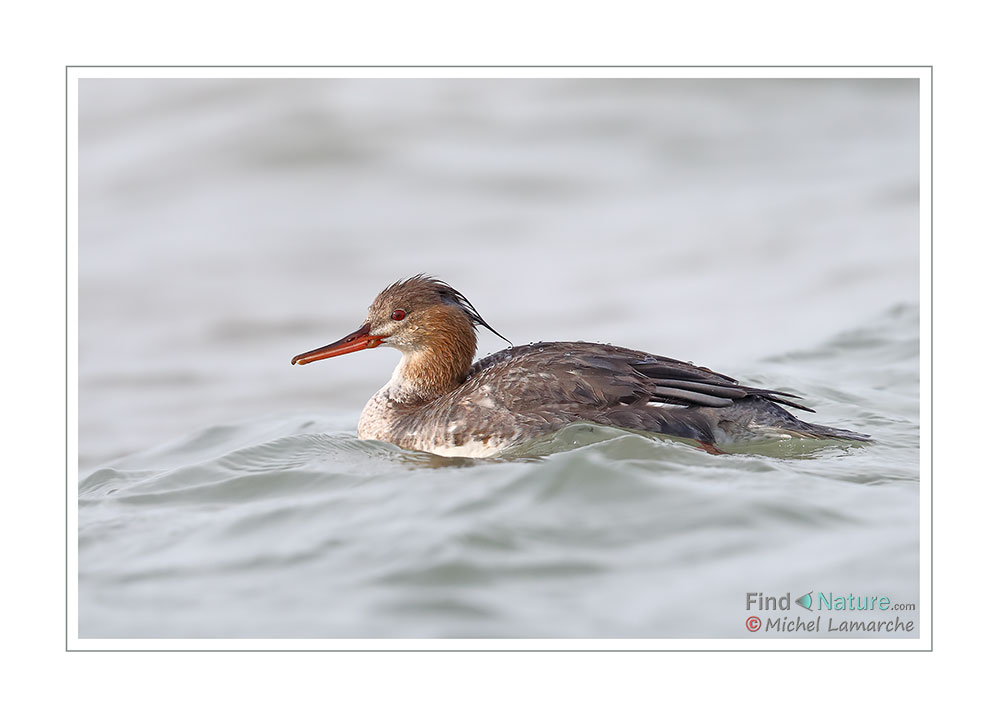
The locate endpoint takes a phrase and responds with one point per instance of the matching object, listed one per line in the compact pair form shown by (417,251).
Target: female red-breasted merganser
(438,401)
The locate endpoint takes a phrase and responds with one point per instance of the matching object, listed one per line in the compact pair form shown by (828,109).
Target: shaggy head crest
(425,289)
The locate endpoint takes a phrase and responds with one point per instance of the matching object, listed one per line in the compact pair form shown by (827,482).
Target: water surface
(766,229)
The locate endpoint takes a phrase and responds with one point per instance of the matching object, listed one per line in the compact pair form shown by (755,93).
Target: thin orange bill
(353,342)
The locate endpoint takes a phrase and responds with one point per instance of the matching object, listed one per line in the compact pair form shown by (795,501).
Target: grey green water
(765,229)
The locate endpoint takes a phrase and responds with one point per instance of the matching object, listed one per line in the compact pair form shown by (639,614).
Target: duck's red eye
(398,315)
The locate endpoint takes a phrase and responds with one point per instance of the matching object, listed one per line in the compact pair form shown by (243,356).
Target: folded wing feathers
(679,370)
(729,392)
(688,384)
(682,396)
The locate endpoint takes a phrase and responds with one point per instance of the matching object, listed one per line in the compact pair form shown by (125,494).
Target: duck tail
(818,431)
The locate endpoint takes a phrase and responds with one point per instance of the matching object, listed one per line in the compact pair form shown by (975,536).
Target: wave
(292,526)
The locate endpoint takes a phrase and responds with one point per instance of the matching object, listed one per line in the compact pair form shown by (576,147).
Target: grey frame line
(484,650)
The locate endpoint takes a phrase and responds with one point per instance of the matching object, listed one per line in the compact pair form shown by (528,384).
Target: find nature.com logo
(833,603)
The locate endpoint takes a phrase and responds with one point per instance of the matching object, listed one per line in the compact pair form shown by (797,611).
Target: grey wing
(599,375)
(611,385)
(679,382)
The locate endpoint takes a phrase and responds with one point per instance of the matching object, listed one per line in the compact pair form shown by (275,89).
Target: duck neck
(436,367)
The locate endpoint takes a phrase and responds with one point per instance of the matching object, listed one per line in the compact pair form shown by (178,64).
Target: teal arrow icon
(805,601)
